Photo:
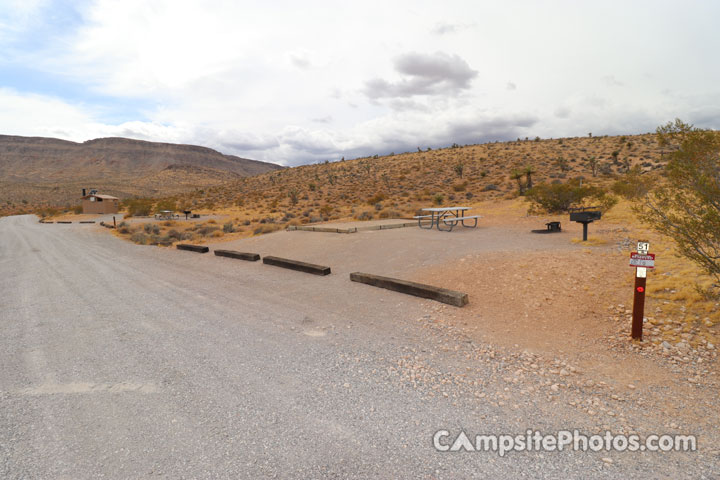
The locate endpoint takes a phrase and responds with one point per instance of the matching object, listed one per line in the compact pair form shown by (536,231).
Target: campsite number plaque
(641,260)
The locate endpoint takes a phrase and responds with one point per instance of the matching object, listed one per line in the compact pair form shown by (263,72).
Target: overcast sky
(298,82)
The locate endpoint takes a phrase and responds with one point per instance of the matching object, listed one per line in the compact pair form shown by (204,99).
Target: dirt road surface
(123,361)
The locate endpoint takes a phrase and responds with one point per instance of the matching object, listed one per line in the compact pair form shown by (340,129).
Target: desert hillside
(398,184)
(36,171)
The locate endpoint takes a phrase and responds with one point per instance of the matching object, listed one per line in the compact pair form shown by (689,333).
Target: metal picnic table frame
(450,216)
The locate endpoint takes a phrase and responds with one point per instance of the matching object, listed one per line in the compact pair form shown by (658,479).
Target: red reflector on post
(640,289)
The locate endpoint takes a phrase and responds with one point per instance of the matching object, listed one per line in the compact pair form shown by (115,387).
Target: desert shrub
(633,185)
(490,187)
(228,227)
(138,207)
(687,206)
(163,240)
(166,204)
(174,234)
(460,187)
(123,228)
(206,230)
(139,238)
(151,228)
(438,199)
(366,215)
(217,233)
(76,210)
(316,219)
(388,213)
(378,206)
(261,229)
(377,198)
(558,198)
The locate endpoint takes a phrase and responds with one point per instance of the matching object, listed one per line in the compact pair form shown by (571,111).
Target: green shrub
(138,207)
(558,198)
(633,185)
(165,205)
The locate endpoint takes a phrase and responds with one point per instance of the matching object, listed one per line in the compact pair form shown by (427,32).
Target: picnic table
(448,216)
(166,215)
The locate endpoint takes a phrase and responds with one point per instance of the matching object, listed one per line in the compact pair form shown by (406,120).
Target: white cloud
(304,81)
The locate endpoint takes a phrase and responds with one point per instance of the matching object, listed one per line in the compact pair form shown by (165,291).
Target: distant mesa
(50,159)
(49,171)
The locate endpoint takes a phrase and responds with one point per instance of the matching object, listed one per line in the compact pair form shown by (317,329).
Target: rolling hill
(37,171)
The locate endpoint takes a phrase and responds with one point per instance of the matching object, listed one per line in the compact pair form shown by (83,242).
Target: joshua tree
(593,162)
(459,167)
(529,170)
(518,175)
(293,194)
(562,164)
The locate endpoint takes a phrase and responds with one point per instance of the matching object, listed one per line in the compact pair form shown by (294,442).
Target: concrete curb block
(297,265)
(87,221)
(193,248)
(308,228)
(451,297)
(63,221)
(250,257)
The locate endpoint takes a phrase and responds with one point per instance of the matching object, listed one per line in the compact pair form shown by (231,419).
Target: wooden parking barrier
(451,297)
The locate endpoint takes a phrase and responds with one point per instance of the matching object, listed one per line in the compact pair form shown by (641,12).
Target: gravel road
(123,361)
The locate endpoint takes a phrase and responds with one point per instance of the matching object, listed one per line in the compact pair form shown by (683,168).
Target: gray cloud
(325,119)
(562,112)
(611,81)
(299,146)
(250,144)
(444,28)
(300,61)
(424,74)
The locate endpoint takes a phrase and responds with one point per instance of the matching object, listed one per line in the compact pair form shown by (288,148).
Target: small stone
(607,460)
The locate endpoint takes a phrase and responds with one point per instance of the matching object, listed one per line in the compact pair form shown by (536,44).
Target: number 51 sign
(642,260)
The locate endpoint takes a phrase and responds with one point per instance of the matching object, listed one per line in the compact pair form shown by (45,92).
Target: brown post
(114,224)
(638,307)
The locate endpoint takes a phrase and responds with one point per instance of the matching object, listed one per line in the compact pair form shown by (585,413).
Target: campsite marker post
(641,260)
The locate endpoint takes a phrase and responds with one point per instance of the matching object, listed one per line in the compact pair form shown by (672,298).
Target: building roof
(104,197)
